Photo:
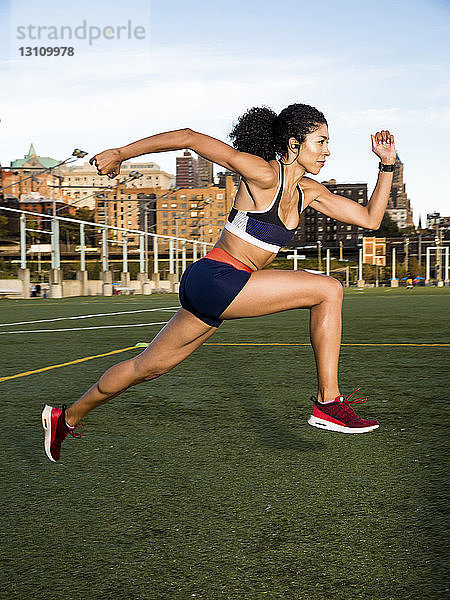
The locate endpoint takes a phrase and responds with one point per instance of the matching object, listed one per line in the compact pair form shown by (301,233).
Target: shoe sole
(47,425)
(323,424)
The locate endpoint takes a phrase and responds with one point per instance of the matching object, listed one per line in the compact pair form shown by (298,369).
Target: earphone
(294,146)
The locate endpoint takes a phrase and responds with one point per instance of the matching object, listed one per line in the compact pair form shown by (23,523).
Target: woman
(230,283)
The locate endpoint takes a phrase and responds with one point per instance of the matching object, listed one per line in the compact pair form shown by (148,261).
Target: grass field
(208,483)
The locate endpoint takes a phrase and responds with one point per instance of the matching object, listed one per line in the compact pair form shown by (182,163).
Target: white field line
(80,328)
(124,312)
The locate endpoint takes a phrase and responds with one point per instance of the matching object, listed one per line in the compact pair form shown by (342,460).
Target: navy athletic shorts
(209,286)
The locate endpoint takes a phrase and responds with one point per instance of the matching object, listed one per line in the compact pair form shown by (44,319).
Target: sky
(367,65)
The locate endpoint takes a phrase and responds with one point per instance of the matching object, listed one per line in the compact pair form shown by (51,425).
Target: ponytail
(254,132)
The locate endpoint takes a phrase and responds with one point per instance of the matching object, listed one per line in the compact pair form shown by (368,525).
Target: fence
(188,248)
(164,250)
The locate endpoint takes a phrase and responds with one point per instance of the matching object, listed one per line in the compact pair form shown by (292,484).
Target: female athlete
(273,154)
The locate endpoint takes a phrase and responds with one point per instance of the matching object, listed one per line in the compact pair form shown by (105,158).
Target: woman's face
(314,150)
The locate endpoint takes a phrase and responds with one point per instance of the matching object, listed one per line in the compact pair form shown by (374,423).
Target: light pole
(406,256)
(360,269)
(437,240)
(319,255)
(394,280)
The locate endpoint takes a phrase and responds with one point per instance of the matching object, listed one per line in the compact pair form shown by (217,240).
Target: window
(184,205)
(173,205)
(174,231)
(219,196)
(165,231)
(165,214)
(164,205)
(348,236)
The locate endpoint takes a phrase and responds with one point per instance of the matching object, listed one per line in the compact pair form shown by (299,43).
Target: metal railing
(199,248)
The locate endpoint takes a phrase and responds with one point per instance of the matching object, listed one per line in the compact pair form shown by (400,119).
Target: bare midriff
(252,256)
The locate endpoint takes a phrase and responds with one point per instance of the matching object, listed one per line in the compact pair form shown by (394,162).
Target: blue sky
(366,65)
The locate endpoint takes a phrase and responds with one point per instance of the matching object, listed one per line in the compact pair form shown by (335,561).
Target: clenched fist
(107,163)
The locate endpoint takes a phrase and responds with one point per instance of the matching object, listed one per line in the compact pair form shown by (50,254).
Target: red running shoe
(340,416)
(56,430)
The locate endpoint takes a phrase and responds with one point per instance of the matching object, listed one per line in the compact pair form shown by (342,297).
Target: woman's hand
(107,162)
(383,145)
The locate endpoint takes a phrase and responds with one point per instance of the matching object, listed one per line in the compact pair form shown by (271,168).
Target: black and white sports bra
(263,228)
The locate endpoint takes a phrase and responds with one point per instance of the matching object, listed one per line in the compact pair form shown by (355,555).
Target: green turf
(208,483)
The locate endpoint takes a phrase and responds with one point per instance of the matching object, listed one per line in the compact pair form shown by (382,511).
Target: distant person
(36,290)
(273,154)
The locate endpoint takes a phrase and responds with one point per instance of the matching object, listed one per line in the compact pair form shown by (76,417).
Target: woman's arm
(348,211)
(251,167)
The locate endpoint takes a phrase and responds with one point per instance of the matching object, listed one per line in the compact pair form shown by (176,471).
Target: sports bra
(263,228)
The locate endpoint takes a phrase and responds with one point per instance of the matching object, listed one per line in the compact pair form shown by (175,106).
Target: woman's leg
(183,334)
(268,292)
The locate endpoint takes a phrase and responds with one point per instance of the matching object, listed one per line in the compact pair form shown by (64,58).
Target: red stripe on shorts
(222,256)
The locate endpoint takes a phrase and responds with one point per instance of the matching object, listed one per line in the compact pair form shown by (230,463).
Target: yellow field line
(79,360)
(72,362)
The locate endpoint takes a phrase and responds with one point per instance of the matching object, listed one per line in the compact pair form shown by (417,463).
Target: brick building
(31,168)
(82,181)
(128,207)
(314,226)
(187,171)
(205,172)
(195,213)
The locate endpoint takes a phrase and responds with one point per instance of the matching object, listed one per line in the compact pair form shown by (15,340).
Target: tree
(3,226)
(389,228)
(85,214)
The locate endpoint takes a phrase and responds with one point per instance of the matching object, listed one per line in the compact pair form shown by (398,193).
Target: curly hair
(262,132)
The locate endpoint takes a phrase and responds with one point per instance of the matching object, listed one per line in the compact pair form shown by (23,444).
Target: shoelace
(71,430)
(77,434)
(355,400)
(344,407)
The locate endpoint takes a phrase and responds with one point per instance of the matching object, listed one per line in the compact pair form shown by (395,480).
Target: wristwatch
(386,168)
